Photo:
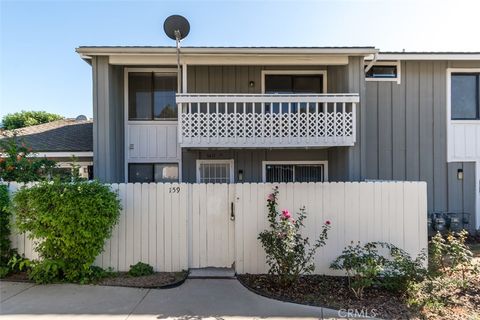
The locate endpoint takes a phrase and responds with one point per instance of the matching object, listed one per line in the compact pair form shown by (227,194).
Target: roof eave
(429,56)
(87,52)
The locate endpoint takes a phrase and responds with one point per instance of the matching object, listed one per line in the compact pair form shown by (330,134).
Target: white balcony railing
(266,120)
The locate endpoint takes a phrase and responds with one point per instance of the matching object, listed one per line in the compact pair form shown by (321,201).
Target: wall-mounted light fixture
(240,175)
(460,174)
(251,84)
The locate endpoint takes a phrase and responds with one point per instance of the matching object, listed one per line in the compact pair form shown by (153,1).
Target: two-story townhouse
(234,115)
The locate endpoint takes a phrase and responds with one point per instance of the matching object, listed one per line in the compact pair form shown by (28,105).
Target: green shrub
(27,118)
(140,269)
(366,267)
(5,250)
(69,222)
(452,273)
(18,263)
(363,266)
(96,273)
(400,272)
(450,253)
(48,270)
(288,253)
(4,271)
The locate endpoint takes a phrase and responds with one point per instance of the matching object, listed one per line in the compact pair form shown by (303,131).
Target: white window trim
(126,71)
(451,144)
(396,63)
(296,72)
(449,95)
(265,163)
(217,161)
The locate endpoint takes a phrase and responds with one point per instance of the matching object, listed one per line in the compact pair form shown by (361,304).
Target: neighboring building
(290,115)
(63,141)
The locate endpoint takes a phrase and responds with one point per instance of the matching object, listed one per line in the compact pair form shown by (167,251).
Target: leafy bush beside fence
(69,223)
(5,249)
(366,266)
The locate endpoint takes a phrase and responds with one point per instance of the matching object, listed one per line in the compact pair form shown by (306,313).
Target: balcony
(266,120)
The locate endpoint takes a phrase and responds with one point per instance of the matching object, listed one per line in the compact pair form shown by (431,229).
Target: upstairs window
(465,96)
(151,96)
(294,81)
(383,71)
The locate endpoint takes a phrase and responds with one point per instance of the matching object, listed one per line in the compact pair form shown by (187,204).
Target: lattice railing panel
(329,120)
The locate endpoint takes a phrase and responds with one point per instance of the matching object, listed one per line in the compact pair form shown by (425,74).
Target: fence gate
(212,226)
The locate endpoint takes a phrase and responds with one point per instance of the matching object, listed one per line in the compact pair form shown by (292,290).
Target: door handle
(232,211)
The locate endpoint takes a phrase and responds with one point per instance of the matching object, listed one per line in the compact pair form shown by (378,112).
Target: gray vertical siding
(406,135)
(249,161)
(108,121)
(235,79)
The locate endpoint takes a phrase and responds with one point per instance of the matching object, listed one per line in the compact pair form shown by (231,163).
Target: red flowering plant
(289,254)
(16,164)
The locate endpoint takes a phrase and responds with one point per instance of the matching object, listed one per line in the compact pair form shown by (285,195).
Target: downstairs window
(295,172)
(153,172)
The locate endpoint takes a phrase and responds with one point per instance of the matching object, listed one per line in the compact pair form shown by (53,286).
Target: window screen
(294,173)
(465,96)
(151,96)
(153,172)
(214,172)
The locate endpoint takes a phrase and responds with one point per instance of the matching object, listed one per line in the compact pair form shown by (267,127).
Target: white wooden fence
(177,226)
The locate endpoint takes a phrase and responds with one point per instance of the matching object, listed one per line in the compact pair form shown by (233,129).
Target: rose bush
(289,254)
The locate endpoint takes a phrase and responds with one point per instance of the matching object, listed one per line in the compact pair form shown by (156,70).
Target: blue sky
(41,71)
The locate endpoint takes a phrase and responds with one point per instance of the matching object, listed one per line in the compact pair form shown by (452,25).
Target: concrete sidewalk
(195,299)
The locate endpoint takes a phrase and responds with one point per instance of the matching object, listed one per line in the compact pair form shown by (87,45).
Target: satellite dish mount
(177,28)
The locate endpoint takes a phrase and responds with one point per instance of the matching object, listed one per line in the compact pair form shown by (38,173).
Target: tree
(23,119)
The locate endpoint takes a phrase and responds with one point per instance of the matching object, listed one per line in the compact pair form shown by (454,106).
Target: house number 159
(174,190)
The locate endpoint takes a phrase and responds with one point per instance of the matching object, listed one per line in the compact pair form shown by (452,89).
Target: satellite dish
(176,27)
(81,118)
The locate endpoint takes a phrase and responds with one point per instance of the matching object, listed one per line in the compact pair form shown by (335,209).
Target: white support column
(184,78)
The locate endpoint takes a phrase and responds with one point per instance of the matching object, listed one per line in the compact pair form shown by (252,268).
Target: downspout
(370,65)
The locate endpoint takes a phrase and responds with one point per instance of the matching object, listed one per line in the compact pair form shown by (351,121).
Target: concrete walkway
(195,299)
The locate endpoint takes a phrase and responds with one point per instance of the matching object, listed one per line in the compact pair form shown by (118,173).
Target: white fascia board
(63,154)
(427,56)
(92,51)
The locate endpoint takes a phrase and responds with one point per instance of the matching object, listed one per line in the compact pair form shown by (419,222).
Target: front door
(212,221)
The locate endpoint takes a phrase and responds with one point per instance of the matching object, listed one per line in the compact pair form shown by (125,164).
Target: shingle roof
(59,136)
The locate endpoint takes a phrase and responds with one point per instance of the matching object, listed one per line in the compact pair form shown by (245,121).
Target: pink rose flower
(286,214)
(270,197)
